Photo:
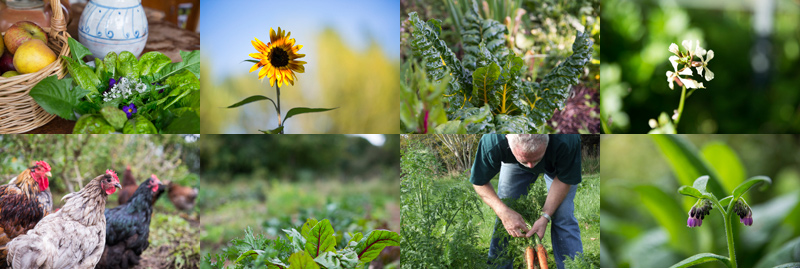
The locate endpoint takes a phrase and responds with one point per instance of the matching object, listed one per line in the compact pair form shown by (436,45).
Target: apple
(32,56)
(2,44)
(21,32)
(9,74)
(7,62)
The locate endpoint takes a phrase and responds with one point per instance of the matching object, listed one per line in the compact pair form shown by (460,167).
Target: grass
(229,208)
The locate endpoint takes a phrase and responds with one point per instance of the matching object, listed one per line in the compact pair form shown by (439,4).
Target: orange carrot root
(529,257)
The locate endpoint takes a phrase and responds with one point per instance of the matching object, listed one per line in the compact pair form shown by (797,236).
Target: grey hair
(527,143)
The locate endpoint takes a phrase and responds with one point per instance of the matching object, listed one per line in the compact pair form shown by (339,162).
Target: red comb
(112,173)
(44,165)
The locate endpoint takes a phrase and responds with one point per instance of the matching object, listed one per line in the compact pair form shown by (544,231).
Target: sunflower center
(279,58)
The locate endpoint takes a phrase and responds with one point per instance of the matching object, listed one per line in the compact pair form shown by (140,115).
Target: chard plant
(683,77)
(315,246)
(489,91)
(732,204)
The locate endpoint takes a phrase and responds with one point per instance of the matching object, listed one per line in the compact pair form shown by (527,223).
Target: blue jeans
(565,232)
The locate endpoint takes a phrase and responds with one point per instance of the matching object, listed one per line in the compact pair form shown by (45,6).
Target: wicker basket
(18,112)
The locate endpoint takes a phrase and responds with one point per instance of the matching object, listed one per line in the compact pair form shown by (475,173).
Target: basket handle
(58,23)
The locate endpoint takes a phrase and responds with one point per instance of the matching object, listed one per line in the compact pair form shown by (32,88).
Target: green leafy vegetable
(139,125)
(127,65)
(92,124)
(58,96)
(152,62)
(490,75)
(83,75)
(114,116)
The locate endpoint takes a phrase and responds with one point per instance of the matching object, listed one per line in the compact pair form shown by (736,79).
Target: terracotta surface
(164,37)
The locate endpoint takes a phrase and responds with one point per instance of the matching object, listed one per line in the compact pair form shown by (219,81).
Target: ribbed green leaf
(483,82)
(302,260)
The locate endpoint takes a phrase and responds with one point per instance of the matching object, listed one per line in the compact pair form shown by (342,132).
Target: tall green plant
(489,81)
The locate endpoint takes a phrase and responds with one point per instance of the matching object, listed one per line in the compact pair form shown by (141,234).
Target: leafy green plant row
(489,91)
(440,223)
(314,246)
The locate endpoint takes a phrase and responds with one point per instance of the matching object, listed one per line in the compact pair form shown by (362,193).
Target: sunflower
(278,58)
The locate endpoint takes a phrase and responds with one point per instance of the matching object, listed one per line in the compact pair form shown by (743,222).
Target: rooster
(128,227)
(182,197)
(128,186)
(23,202)
(73,237)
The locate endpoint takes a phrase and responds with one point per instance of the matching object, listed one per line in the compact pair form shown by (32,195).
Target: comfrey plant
(706,202)
(683,77)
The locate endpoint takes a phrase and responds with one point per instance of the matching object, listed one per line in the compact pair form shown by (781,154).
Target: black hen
(128,227)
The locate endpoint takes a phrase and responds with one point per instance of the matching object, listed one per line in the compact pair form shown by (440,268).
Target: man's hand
(538,227)
(513,222)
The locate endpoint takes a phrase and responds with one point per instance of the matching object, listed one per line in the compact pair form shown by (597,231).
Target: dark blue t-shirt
(562,158)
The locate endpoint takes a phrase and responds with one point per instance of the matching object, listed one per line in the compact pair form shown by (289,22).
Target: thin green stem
(680,106)
(278,90)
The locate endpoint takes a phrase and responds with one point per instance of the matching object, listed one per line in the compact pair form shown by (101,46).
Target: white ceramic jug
(113,25)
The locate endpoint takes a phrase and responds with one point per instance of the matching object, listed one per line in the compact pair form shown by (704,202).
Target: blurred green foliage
(634,87)
(364,85)
(76,159)
(644,217)
(296,157)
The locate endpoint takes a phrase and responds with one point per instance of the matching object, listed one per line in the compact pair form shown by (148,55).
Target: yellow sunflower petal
(272,35)
(263,72)
(258,55)
(296,48)
(255,66)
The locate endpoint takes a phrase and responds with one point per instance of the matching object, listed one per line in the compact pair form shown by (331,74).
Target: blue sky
(229,26)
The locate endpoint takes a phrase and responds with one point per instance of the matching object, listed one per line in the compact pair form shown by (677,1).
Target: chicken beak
(117,185)
(48,174)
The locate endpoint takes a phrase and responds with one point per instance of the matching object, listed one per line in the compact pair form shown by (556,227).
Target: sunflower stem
(278,90)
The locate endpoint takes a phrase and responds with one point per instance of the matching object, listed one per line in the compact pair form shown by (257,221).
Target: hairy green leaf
(702,258)
(748,184)
(700,183)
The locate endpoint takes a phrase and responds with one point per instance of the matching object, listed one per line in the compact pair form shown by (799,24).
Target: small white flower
(709,75)
(688,45)
(674,49)
(672,75)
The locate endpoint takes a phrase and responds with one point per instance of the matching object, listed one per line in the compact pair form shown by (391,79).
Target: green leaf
(702,258)
(114,116)
(700,183)
(248,254)
(726,163)
(251,99)
(297,240)
(152,62)
(92,124)
(111,64)
(749,183)
(320,239)
(372,245)
(83,75)
(725,201)
(190,62)
(58,96)
(127,65)
(301,260)
(77,50)
(451,127)
(787,253)
(346,258)
(686,162)
(789,265)
(690,191)
(310,223)
(483,82)
(139,125)
(273,131)
(187,123)
(303,110)
(252,61)
(669,215)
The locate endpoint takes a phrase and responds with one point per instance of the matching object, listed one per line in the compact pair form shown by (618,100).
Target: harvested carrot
(529,257)
(541,253)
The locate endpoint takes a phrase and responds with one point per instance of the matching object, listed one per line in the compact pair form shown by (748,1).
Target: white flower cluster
(687,59)
(124,88)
